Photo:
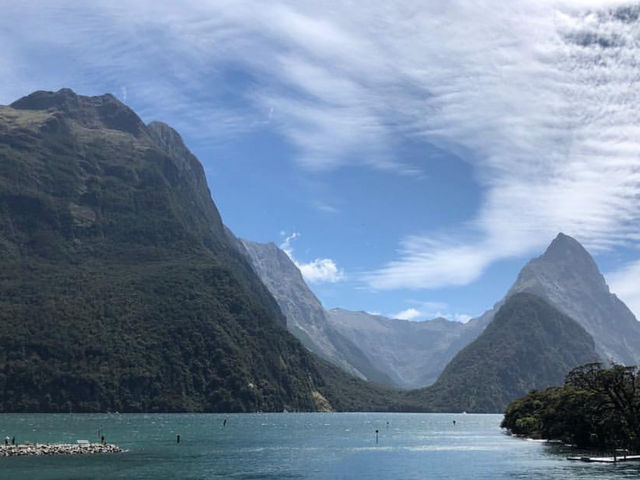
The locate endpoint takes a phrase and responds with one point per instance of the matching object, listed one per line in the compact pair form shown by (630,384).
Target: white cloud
(320,270)
(540,97)
(625,283)
(429,263)
(461,317)
(429,310)
(408,314)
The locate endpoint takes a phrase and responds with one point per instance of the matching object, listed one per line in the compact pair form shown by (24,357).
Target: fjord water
(292,446)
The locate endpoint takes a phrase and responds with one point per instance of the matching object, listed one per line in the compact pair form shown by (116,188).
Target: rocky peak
(567,276)
(104,111)
(565,264)
(565,250)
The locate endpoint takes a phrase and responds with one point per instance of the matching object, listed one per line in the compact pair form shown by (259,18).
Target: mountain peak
(43,100)
(103,111)
(565,262)
(568,277)
(564,248)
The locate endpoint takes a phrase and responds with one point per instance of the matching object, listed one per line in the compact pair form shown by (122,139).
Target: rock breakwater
(57,449)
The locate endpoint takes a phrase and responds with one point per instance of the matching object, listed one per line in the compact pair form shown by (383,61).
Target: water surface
(293,446)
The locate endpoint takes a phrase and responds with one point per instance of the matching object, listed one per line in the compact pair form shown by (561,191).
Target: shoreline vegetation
(597,408)
(39,449)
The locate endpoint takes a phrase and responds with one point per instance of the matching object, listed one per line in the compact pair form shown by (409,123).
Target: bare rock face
(567,276)
(306,318)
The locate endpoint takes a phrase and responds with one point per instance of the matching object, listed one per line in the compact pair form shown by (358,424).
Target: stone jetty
(37,449)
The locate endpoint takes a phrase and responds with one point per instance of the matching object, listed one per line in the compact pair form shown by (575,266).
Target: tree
(597,407)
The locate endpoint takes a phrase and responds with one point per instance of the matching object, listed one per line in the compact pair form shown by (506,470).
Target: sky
(410,156)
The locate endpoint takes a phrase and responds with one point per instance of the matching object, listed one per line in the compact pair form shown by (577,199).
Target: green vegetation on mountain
(596,408)
(119,289)
(529,345)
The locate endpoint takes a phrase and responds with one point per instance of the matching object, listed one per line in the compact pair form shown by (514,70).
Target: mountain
(119,287)
(530,344)
(413,354)
(388,352)
(520,350)
(306,318)
(567,276)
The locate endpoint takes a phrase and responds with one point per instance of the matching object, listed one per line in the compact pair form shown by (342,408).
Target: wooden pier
(623,457)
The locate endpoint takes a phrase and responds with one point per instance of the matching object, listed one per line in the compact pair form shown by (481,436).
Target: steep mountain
(119,288)
(530,344)
(569,279)
(306,318)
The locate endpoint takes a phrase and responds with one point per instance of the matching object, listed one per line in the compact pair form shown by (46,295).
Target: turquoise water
(293,446)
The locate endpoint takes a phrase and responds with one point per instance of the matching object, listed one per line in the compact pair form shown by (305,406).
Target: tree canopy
(596,408)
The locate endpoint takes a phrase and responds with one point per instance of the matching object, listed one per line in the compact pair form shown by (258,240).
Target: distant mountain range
(390,352)
(121,289)
(559,299)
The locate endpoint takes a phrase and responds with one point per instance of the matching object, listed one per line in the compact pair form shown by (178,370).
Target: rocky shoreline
(57,449)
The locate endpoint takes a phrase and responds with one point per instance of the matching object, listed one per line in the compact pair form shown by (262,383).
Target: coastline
(39,449)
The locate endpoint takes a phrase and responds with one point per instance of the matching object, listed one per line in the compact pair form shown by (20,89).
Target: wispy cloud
(540,97)
(542,101)
(326,208)
(320,270)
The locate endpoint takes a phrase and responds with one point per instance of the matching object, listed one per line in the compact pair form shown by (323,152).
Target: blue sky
(410,156)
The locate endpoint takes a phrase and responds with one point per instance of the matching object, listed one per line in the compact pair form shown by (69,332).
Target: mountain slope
(567,276)
(306,318)
(119,289)
(529,345)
